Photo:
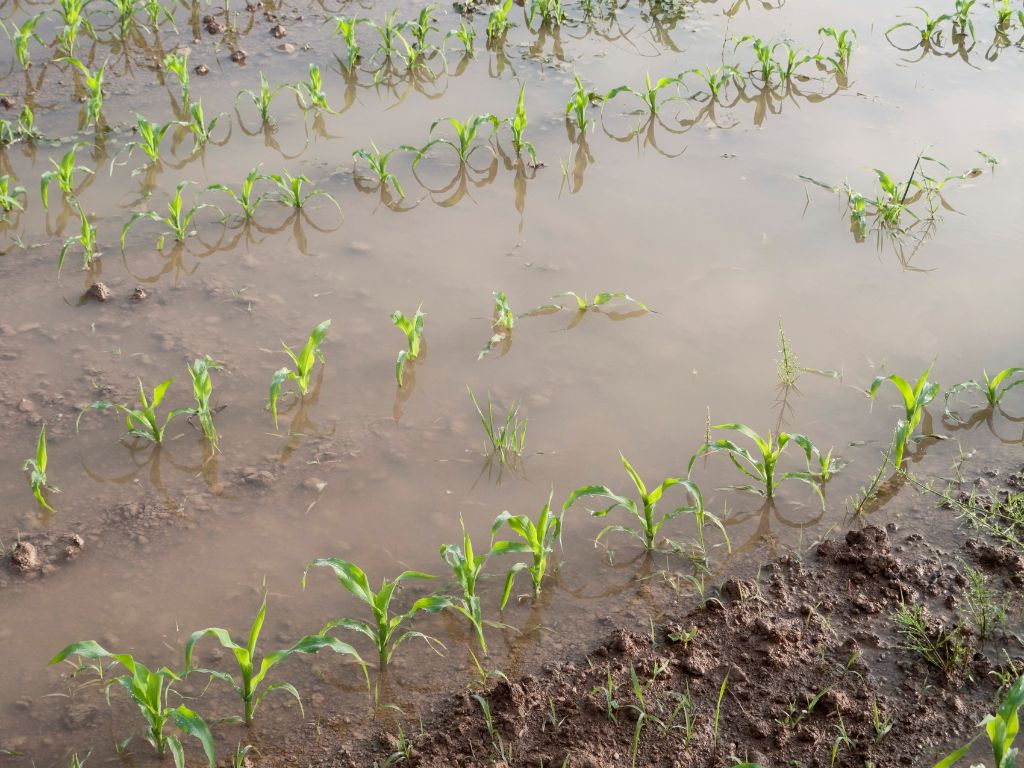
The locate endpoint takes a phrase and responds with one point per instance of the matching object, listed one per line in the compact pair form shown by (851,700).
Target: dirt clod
(98,291)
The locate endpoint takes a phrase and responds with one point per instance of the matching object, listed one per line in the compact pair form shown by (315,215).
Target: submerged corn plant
(85,239)
(507,441)
(93,82)
(761,467)
(346,27)
(253,671)
(289,190)
(584,302)
(413,330)
(150,137)
(579,102)
(648,94)
(845,40)
(262,98)
(378,163)
(466,566)
(202,391)
(498,22)
(37,466)
(929,30)
(64,174)
(10,191)
(304,361)
(390,33)
(177,64)
(535,539)
(465,34)
(23,129)
(310,92)
(245,196)
(22,36)
(202,130)
(178,218)
(650,524)
(142,421)
(994,389)
(718,79)
(517,125)
(502,323)
(384,630)
(465,134)
(915,397)
(149,690)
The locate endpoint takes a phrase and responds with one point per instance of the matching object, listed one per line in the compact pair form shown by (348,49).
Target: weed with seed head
(536,539)
(149,690)
(94,90)
(413,330)
(945,648)
(151,135)
(202,391)
(507,441)
(253,671)
(347,26)
(497,21)
(762,467)
(303,362)
(262,98)
(289,190)
(21,36)
(1001,729)
(649,524)
(788,367)
(9,194)
(378,162)
(384,630)
(465,134)
(177,64)
(244,197)
(579,102)
(915,398)
(142,421)
(178,219)
(85,239)
(64,173)
(466,567)
(845,40)
(37,465)
(648,94)
(994,389)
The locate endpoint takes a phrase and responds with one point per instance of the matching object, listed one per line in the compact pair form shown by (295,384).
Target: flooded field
(695,218)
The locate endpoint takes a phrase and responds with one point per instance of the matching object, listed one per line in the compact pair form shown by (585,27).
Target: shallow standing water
(701,215)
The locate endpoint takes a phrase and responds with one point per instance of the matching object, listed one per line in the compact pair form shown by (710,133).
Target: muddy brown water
(708,224)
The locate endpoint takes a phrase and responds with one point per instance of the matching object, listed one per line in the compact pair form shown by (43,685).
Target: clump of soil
(804,658)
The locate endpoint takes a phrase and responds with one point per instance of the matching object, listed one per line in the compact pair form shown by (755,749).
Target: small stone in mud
(6,101)
(253,6)
(238,56)
(286,48)
(202,70)
(278,30)
(25,557)
(26,406)
(98,291)
(139,294)
(75,544)
(260,478)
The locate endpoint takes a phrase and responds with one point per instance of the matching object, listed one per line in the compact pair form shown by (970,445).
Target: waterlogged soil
(701,214)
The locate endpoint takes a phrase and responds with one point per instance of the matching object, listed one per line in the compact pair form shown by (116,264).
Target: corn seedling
(244,197)
(648,94)
(881,723)
(21,36)
(64,173)
(718,708)
(253,671)
(579,102)
(124,15)
(985,606)
(584,302)
(845,40)
(930,29)
(413,330)
(466,34)
(149,690)
(178,219)
(649,524)
(517,124)
(536,539)
(202,131)
(994,389)
(155,10)
(945,648)
(962,22)
(465,133)
(1001,729)
(421,27)
(262,98)
(202,391)
(85,239)
(607,692)
(303,362)
(142,421)
(347,26)
(764,55)
(915,397)
(9,194)
(501,324)
(310,93)
(37,466)
(384,630)
(151,135)
(94,90)
(550,11)
(717,80)
(378,162)
(508,440)
(177,64)
(390,32)
(289,190)
(241,757)
(1004,14)
(762,467)
(793,59)
(497,21)
(466,567)
(75,18)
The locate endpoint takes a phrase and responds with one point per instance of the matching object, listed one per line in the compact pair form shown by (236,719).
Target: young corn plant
(304,362)
(289,190)
(498,22)
(378,162)
(421,27)
(764,55)
(994,389)
(930,29)
(75,18)
(202,391)
(466,34)
(650,524)
(762,467)
(149,690)
(648,94)
(584,302)
(262,98)
(535,539)
(963,24)
(245,196)
(517,125)
(502,323)
(252,670)
(579,102)
(151,136)
(22,36)
(717,80)
(465,133)
(551,12)
(413,330)
(202,130)
(93,82)
(384,630)
(1001,730)
(390,32)
(845,40)
(64,174)
(507,441)
(9,194)
(178,219)
(346,27)
(310,93)
(85,239)
(466,566)
(37,466)
(915,397)
(142,421)
(177,64)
